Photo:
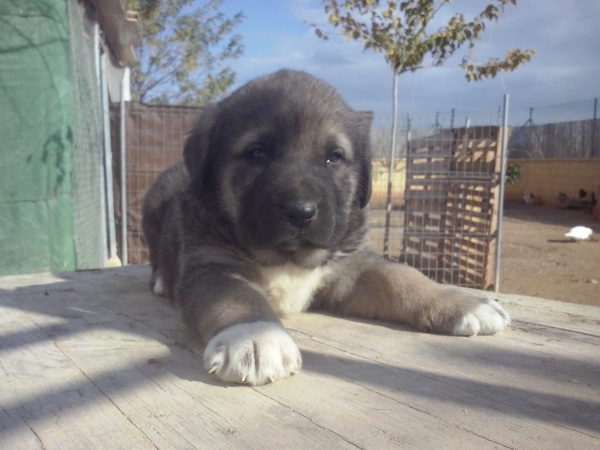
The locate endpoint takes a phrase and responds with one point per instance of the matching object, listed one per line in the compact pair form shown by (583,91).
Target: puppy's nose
(298,213)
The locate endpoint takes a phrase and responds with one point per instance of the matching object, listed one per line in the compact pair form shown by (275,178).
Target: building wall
(548,177)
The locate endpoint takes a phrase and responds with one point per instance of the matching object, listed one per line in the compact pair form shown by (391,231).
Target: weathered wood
(45,393)
(92,360)
(478,385)
(453,174)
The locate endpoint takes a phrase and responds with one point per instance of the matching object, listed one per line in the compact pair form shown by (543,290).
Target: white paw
(487,318)
(253,353)
(159,287)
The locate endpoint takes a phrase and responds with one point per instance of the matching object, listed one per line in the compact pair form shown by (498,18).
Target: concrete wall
(380,184)
(548,177)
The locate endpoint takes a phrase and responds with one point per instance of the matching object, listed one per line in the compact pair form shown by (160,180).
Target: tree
(401,31)
(184,48)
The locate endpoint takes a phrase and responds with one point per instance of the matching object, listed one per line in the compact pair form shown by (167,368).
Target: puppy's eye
(257,152)
(335,157)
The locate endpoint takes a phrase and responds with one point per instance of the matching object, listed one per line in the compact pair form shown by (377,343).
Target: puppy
(268,215)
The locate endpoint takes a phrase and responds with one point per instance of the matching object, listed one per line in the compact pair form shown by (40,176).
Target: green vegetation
(513,173)
(185,46)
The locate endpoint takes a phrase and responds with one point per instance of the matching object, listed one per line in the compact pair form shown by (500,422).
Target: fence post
(408,132)
(501,194)
(392,168)
(123,177)
(407,158)
(593,152)
(108,173)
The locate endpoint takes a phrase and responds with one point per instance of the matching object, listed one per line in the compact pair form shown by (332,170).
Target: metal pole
(123,177)
(593,152)
(408,132)
(391,170)
(100,77)
(501,194)
(108,174)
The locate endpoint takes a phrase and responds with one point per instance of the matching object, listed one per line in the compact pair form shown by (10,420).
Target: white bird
(579,233)
(528,198)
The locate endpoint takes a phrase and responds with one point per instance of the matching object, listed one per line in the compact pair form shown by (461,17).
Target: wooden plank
(577,319)
(97,345)
(515,396)
(151,378)
(340,400)
(46,400)
(181,406)
(16,434)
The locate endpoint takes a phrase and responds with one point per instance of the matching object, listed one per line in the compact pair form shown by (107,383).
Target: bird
(530,199)
(579,233)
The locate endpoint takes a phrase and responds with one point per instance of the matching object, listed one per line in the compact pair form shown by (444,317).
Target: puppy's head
(287,161)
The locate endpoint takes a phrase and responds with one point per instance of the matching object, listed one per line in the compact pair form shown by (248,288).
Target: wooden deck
(91,360)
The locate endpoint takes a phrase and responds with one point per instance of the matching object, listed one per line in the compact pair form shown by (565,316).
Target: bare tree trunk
(388,207)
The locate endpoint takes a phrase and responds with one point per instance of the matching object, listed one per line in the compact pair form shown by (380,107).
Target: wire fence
(155,136)
(444,198)
(565,131)
(558,113)
(444,190)
(541,136)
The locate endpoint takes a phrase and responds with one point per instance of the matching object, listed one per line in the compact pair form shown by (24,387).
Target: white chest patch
(289,288)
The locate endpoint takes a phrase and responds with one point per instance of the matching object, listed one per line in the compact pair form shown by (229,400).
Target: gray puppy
(269,215)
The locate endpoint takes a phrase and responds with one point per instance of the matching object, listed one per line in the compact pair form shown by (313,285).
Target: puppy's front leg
(393,291)
(246,343)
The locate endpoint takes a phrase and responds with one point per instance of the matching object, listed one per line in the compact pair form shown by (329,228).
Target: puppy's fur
(268,215)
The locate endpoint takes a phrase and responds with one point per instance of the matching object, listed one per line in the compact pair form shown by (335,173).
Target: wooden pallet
(451,194)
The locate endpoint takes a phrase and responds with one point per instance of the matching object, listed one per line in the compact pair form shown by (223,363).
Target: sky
(560,83)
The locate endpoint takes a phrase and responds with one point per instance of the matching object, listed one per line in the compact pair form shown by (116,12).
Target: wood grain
(92,360)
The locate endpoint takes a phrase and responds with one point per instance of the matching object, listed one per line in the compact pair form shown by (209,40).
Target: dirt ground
(538,260)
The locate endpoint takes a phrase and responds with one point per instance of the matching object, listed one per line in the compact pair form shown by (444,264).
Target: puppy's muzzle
(299,214)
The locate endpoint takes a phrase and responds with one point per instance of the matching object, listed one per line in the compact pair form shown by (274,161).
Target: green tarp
(36,138)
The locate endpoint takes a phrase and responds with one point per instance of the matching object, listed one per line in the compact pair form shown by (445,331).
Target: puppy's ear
(364,137)
(198,143)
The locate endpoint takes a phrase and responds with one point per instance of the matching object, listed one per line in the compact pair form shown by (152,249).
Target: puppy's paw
(462,313)
(157,285)
(487,317)
(254,353)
